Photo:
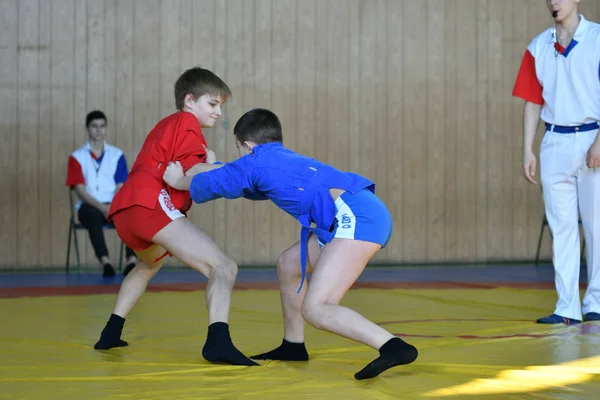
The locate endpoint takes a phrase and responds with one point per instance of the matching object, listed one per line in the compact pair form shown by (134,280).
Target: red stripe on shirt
(527,85)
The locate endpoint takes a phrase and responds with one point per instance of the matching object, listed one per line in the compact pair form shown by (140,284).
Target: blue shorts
(362,216)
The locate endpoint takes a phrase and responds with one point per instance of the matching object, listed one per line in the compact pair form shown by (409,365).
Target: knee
(312,313)
(143,269)
(226,269)
(90,215)
(288,265)
(93,225)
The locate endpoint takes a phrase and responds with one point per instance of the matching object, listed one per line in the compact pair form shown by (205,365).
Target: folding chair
(73,228)
(544,224)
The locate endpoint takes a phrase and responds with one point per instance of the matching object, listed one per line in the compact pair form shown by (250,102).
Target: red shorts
(137,225)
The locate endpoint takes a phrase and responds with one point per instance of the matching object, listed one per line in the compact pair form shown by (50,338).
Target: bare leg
(193,247)
(131,290)
(134,285)
(289,275)
(340,264)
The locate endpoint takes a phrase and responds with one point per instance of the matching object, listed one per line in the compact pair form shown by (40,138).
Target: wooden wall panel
(44,140)
(466,127)
(507,158)
(450,220)
(480,136)
(28,131)
(96,34)
(414,94)
(496,197)
(9,90)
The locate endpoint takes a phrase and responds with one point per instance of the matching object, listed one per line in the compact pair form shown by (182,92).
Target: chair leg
(539,246)
(69,247)
(77,252)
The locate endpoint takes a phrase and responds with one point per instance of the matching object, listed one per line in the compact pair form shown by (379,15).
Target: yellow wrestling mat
(473,344)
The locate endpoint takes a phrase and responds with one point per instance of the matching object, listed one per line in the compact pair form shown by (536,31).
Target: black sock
(220,349)
(394,352)
(111,334)
(109,270)
(288,351)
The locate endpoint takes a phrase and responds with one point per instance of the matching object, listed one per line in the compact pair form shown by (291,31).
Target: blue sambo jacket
(297,184)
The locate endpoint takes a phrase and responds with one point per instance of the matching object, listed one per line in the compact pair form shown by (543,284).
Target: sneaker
(557,319)
(128,269)
(108,270)
(592,316)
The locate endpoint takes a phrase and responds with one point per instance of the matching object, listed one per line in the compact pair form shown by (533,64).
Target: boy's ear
(189,98)
(249,145)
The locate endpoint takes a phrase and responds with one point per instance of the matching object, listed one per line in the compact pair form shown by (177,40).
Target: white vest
(571,85)
(99,177)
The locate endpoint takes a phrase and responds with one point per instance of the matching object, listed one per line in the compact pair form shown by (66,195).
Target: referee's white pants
(571,188)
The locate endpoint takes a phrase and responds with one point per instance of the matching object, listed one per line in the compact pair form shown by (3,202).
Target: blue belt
(572,129)
(304,232)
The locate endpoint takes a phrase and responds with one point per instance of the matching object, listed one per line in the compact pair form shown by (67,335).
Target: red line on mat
(8,293)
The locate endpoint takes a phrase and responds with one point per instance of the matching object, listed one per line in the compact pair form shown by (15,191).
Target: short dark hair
(198,82)
(92,115)
(258,125)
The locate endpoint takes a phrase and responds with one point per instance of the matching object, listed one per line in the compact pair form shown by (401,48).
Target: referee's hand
(529,167)
(593,156)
